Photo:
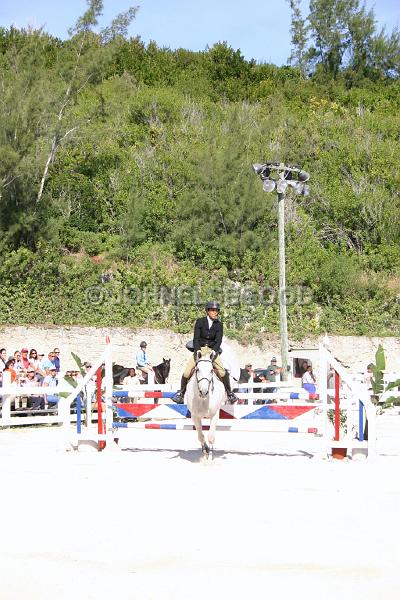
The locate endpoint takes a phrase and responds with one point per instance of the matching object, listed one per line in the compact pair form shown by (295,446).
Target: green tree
(344,37)
(329,30)
(219,215)
(299,30)
(82,69)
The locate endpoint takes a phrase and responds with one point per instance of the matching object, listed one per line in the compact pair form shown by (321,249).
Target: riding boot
(231,396)
(178,398)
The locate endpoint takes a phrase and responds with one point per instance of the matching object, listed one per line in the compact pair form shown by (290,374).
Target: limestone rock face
(88,343)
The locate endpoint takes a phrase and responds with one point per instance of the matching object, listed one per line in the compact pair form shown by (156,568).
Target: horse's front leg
(213,427)
(199,429)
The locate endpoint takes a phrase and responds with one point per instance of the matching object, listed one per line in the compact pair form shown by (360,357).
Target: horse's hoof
(206,450)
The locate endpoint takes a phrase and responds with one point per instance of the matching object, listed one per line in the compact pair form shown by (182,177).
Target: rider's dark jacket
(205,336)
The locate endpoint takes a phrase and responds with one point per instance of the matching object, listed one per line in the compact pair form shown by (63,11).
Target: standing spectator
(51,381)
(89,391)
(369,375)
(131,378)
(273,373)
(3,358)
(24,358)
(56,359)
(142,360)
(330,381)
(273,370)
(246,375)
(308,380)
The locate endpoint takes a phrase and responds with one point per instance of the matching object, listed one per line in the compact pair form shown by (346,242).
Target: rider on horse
(142,361)
(208,333)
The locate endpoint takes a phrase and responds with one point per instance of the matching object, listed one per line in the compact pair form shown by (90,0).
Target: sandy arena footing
(266,519)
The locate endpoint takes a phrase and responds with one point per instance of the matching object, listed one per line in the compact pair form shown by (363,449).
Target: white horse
(204,395)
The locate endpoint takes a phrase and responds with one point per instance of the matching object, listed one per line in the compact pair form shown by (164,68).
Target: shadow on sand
(195,456)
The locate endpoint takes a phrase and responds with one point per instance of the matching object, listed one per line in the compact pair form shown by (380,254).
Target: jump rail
(352,397)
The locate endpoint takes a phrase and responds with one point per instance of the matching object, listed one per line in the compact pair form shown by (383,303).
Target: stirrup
(232,398)
(178,398)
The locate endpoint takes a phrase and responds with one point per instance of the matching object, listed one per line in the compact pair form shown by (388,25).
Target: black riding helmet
(143,345)
(212,304)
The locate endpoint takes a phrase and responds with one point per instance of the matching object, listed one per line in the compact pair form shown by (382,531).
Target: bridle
(209,380)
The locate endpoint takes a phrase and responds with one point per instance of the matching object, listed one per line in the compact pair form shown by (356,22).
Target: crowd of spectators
(273,373)
(15,367)
(37,369)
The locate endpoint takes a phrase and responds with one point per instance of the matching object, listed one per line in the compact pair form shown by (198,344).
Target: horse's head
(166,367)
(204,372)
(162,370)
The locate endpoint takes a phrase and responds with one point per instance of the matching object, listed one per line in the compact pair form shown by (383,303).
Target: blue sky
(259,28)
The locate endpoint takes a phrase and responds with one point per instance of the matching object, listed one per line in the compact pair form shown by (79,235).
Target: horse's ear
(198,355)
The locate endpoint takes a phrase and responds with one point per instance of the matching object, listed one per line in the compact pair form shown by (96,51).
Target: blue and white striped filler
(142,394)
(230,427)
(149,395)
(120,394)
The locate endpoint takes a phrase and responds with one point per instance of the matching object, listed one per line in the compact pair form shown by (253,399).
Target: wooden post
(337,406)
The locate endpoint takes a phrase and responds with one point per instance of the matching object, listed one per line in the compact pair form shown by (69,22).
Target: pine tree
(299,30)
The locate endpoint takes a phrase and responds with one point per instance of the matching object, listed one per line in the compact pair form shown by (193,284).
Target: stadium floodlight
(281,186)
(268,185)
(303,176)
(298,187)
(257,168)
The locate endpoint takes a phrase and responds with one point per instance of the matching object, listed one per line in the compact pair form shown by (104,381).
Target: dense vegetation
(127,194)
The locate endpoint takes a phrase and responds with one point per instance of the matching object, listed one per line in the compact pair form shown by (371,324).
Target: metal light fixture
(268,185)
(306,190)
(257,168)
(303,176)
(281,186)
(285,175)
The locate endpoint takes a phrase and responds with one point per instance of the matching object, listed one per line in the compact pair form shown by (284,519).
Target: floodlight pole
(285,178)
(282,286)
